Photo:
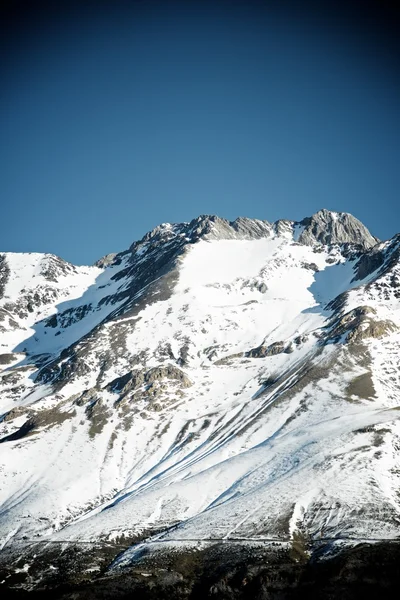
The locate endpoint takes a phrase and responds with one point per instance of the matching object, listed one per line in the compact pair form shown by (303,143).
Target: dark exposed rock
(6,318)
(183,354)
(338,303)
(271,350)
(126,382)
(36,419)
(361,386)
(151,272)
(140,377)
(69,316)
(310,267)
(300,339)
(167,372)
(31,300)
(52,321)
(23,431)
(371,328)
(14,413)
(61,370)
(368,263)
(4,274)
(165,351)
(262,288)
(6,359)
(98,414)
(359,324)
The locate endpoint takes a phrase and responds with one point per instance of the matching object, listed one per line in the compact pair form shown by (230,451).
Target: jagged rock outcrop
(213,227)
(326,227)
(4,274)
(135,379)
(360,324)
(270,350)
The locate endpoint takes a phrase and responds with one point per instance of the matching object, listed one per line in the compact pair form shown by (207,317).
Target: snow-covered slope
(215,381)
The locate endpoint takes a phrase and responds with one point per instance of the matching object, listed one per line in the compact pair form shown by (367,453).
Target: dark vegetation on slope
(241,572)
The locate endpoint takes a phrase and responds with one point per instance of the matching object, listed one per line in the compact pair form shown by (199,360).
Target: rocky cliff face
(326,227)
(218,383)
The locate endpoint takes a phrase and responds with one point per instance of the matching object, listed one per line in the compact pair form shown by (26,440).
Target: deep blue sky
(114,120)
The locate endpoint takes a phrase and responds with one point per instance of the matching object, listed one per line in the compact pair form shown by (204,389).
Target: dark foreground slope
(241,573)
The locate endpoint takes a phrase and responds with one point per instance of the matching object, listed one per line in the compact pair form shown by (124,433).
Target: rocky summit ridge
(219,388)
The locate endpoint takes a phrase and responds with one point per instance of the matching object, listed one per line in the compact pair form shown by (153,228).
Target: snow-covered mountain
(217,381)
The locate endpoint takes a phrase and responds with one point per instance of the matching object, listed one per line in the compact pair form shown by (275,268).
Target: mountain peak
(214,227)
(324,227)
(329,227)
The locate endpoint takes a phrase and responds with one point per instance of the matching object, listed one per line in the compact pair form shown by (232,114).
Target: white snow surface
(252,448)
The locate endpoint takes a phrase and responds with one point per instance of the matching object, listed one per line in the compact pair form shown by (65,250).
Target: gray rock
(358,325)
(167,372)
(6,359)
(139,377)
(271,350)
(213,227)
(368,263)
(326,227)
(110,259)
(4,274)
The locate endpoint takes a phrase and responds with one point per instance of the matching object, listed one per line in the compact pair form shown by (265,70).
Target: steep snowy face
(232,379)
